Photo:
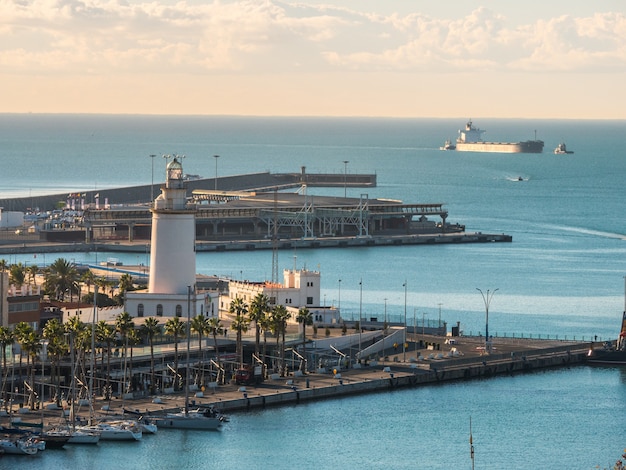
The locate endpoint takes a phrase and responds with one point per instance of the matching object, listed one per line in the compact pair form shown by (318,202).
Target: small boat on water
(448,145)
(561,149)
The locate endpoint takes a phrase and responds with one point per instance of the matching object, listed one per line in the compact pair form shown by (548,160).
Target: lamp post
(360,313)
(345,178)
(405,336)
(152,180)
(216,157)
(487,300)
(339,299)
(384,329)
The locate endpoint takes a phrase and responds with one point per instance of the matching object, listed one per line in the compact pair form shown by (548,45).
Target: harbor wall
(387,378)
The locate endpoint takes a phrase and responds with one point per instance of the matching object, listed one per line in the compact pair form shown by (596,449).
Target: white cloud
(97,36)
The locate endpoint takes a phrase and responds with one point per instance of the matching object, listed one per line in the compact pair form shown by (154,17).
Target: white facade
(146,304)
(172,254)
(300,288)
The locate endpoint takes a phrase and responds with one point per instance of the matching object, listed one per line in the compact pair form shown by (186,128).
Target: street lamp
(345,178)
(384,329)
(152,181)
(339,301)
(216,157)
(405,336)
(487,300)
(360,313)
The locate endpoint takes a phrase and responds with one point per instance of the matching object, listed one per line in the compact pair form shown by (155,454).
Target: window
(159,311)
(179,310)
(309,300)
(140,310)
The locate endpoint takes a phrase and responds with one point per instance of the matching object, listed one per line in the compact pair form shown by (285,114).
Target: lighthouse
(173,254)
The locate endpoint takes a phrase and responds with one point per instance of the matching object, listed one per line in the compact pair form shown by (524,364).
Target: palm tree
(32,346)
(7,338)
(133,339)
(21,332)
(215,328)
(200,324)
(32,272)
(240,324)
(62,277)
(3,265)
(54,332)
(105,333)
(305,318)
(17,274)
(150,329)
(259,308)
(280,317)
(175,328)
(124,325)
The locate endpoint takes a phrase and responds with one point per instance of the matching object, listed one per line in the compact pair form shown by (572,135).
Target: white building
(300,288)
(171,288)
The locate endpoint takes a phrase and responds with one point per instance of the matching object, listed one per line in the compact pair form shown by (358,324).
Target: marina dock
(510,356)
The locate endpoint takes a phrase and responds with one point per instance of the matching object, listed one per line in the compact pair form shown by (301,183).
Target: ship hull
(529,146)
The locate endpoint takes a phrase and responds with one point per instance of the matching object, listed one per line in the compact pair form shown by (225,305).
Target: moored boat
(122,431)
(202,419)
(18,446)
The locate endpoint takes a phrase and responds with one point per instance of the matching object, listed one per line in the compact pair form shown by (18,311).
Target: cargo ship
(470,140)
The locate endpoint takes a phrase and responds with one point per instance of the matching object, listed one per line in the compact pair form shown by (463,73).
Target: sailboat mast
(93,352)
(188,341)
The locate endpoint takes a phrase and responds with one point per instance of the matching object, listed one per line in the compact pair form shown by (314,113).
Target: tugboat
(561,149)
(448,145)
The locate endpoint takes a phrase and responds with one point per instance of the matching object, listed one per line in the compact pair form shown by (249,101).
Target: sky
(387,58)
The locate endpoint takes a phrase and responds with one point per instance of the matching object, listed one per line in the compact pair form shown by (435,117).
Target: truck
(247,375)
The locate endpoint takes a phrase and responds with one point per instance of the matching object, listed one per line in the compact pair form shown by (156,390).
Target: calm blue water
(563,275)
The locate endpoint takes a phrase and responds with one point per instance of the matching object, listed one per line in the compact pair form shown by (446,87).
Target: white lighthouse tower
(173,254)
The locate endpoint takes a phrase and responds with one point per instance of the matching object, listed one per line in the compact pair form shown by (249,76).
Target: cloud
(104,37)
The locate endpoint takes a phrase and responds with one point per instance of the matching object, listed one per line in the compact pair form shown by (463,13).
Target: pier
(464,360)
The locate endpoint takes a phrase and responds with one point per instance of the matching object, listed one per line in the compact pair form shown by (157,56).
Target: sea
(562,277)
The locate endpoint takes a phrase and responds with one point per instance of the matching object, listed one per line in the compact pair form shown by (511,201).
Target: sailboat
(206,419)
(109,431)
(75,434)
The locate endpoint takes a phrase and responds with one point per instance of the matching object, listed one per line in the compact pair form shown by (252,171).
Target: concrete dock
(465,360)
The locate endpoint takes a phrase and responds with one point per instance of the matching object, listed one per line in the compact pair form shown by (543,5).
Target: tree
(124,325)
(259,308)
(150,329)
(54,332)
(240,324)
(17,274)
(133,339)
(22,331)
(62,276)
(215,328)
(279,323)
(7,338)
(305,318)
(175,328)
(32,272)
(105,334)
(31,344)
(200,325)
